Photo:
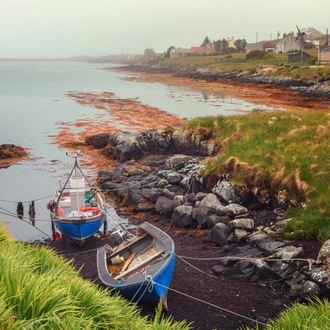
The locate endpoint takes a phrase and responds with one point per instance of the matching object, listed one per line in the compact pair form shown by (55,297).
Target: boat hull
(79,230)
(151,271)
(151,290)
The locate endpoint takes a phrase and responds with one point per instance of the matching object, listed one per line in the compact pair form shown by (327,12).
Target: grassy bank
(287,152)
(41,290)
(314,315)
(276,64)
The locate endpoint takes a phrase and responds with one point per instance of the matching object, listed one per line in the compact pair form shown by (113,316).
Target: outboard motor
(118,236)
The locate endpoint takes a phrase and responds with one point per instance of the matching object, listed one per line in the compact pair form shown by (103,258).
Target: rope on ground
(149,278)
(269,258)
(189,264)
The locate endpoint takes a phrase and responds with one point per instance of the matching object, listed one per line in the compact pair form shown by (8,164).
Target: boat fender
(60,212)
(93,209)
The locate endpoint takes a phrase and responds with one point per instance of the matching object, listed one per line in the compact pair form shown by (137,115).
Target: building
(149,54)
(207,49)
(324,55)
(180,52)
(264,46)
(298,57)
(288,43)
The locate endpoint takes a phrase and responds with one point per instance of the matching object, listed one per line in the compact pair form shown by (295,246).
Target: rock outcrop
(10,152)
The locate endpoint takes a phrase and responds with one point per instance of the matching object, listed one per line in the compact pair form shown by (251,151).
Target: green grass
(284,151)
(40,290)
(314,315)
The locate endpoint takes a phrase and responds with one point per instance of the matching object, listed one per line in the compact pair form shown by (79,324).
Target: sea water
(33,102)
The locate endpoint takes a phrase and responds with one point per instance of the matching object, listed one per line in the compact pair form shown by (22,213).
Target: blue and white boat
(78,209)
(140,267)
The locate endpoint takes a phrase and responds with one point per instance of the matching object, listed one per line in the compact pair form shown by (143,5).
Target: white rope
(192,266)
(269,258)
(208,303)
(149,287)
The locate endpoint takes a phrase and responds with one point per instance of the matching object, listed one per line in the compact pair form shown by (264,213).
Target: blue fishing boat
(141,267)
(78,209)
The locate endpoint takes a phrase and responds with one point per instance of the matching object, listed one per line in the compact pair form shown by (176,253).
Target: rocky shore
(244,223)
(314,87)
(241,261)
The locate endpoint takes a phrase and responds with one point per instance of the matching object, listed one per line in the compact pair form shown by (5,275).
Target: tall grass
(314,315)
(285,151)
(40,290)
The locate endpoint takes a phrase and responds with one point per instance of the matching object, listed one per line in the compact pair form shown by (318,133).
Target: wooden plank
(145,262)
(128,261)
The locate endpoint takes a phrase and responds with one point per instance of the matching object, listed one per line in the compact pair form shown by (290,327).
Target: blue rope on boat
(119,282)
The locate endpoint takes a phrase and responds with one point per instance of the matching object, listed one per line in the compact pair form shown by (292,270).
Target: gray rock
(243,223)
(181,217)
(240,235)
(225,191)
(164,206)
(213,219)
(220,234)
(207,207)
(270,246)
(309,289)
(324,253)
(288,252)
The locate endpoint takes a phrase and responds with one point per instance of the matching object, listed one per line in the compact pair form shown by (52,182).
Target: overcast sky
(62,28)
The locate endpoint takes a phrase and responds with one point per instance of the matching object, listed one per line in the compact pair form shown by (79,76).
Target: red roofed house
(203,50)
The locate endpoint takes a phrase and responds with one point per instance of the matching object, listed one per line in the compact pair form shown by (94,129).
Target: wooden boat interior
(132,257)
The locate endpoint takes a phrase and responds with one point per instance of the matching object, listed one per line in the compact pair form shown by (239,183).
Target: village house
(149,54)
(231,42)
(311,35)
(207,49)
(180,52)
(288,43)
(324,55)
(265,46)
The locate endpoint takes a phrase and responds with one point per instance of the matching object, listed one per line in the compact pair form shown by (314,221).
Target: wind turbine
(300,37)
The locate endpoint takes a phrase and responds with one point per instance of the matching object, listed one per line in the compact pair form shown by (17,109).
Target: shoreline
(275,93)
(130,114)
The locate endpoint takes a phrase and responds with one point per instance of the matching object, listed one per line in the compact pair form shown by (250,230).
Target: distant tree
(168,52)
(224,45)
(206,41)
(217,46)
(240,45)
(220,46)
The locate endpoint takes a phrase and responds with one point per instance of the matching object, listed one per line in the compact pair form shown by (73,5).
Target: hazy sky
(61,28)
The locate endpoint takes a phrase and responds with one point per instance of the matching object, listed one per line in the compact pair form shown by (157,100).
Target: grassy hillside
(40,290)
(288,152)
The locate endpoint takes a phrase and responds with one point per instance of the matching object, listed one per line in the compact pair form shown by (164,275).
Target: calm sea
(33,101)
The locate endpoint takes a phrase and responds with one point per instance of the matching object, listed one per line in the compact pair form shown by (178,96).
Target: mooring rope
(11,214)
(149,278)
